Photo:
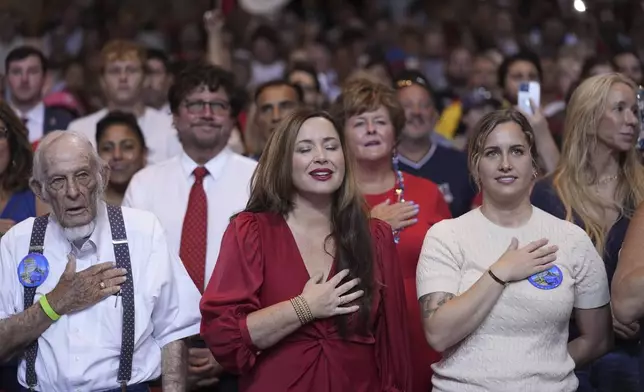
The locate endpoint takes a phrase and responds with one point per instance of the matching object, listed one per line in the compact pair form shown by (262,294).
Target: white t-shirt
(160,136)
(262,73)
(522,343)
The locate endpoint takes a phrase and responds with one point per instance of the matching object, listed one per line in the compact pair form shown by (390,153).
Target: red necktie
(194,234)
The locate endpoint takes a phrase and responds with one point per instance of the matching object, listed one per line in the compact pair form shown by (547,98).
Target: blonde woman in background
(597,185)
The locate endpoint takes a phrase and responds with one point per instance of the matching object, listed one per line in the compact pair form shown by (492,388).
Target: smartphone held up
(529,97)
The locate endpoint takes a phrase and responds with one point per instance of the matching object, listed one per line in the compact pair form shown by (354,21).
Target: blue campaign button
(548,279)
(33,270)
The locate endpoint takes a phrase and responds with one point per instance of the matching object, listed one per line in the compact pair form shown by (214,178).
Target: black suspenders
(35,246)
(122,254)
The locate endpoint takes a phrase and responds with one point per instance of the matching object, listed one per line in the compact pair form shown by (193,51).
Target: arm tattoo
(431,302)
(19,330)
(175,366)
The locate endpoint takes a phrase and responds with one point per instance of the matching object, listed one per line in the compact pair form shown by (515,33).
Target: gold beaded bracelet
(298,310)
(307,311)
(302,310)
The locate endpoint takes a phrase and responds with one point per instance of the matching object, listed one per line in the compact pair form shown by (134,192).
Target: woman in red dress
(307,294)
(373,120)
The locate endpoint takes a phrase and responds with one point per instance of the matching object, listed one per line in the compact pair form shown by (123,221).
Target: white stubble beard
(78,233)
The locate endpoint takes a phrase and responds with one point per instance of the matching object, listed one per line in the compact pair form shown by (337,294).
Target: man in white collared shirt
(200,103)
(76,319)
(158,80)
(122,81)
(26,73)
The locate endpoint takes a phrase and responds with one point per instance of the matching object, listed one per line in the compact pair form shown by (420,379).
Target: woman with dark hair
(17,202)
(594,66)
(307,294)
(521,68)
(373,121)
(498,285)
(120,143)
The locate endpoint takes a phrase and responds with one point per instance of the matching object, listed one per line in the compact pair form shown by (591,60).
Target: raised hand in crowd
(214,21)
(546,146)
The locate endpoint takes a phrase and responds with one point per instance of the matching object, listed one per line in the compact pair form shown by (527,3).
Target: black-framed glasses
(199,107)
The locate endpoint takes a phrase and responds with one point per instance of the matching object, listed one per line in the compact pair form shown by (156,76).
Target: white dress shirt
(165,109)
(164,190)
(35,121)
(160,136)
(80,351)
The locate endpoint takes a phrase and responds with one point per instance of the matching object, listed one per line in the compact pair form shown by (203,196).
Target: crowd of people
(296,201)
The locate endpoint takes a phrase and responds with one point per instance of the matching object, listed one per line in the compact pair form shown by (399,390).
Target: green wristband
(48,309)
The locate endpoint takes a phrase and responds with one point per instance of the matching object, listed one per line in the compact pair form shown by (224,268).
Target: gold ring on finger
(102,285)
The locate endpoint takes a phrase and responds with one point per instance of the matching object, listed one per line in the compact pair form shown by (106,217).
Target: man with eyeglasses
(195,193)
(122,80)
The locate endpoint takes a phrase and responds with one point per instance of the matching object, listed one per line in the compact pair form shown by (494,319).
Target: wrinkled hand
(519,263)
(398,215)
(5,225)
(214,21)
(326,299)
(537,120)
(626,332)
(203,369)
(79,290)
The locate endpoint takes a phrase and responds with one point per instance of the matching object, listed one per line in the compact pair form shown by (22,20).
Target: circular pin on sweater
(33,270)
(548,279)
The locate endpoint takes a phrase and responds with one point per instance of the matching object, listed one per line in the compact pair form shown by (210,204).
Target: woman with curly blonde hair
(597,185)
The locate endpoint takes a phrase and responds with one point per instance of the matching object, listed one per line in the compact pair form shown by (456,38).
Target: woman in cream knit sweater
(497,286)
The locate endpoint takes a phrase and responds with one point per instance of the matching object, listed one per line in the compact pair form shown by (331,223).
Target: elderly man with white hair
(91,297)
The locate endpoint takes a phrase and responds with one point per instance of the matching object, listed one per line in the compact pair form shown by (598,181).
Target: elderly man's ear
(42,206)
(37,189)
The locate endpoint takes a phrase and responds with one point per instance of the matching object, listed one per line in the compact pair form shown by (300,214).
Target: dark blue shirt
(446,168)
(545,196)
(21,205)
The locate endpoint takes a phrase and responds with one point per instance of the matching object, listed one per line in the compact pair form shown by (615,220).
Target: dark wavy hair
(196,75)
(272,190)
(16,176)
